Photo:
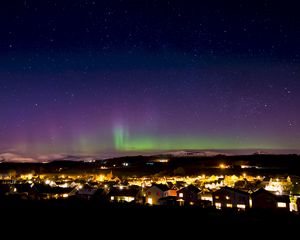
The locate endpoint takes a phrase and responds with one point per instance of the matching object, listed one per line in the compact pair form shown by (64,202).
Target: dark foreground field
(77,217)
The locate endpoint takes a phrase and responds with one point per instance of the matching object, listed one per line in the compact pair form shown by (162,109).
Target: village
(239,192)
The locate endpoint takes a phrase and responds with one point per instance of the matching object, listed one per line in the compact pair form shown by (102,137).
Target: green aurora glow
(124,142)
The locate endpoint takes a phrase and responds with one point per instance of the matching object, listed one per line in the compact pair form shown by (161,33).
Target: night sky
(98,77)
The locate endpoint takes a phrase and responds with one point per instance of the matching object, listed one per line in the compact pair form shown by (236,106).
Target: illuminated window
(281,204)
(229,205)
(112,198)
(150,201)
(128,199)
(243,206)
(218,205)
(181,195)
(217,197)
(206,199)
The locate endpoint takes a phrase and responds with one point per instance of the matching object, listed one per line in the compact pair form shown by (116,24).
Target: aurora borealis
(92,77)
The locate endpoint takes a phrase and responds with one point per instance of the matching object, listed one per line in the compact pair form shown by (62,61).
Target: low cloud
(51,157)
(14,157)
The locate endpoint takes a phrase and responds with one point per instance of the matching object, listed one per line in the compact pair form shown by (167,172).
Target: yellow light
(65,195)
(229,205)
(222,166)
(242,206)
(227,197)
(281,204)
(101,178)
(162,160)
(233,177)
(218,205)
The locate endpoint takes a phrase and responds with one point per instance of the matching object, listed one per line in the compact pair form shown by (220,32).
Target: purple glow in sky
(85,77)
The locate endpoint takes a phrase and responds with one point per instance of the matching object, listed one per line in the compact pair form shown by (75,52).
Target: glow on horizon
(123,141)
(128,140)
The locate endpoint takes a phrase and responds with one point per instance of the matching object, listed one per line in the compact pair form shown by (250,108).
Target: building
(86,193)
(206,199)
(48,192)
(227,197)
(263,199)
(24,191)
(157,191)
(123,195)
(168,201)
(188,195)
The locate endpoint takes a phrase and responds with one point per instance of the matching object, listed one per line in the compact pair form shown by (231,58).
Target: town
(241,191)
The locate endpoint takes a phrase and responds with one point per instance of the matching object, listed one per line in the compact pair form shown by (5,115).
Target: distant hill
(16,157)
(195,153)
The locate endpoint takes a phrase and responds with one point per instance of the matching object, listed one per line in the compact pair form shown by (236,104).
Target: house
(188,195)
(23,191)
(227,197)
(281,185)
(123,194)
(263,199)
(248,186)
(168,201)
(48,192)
(8,182)
(86,193)
(206,198)
(157,191)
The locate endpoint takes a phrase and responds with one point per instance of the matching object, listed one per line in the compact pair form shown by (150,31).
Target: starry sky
(92,77)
